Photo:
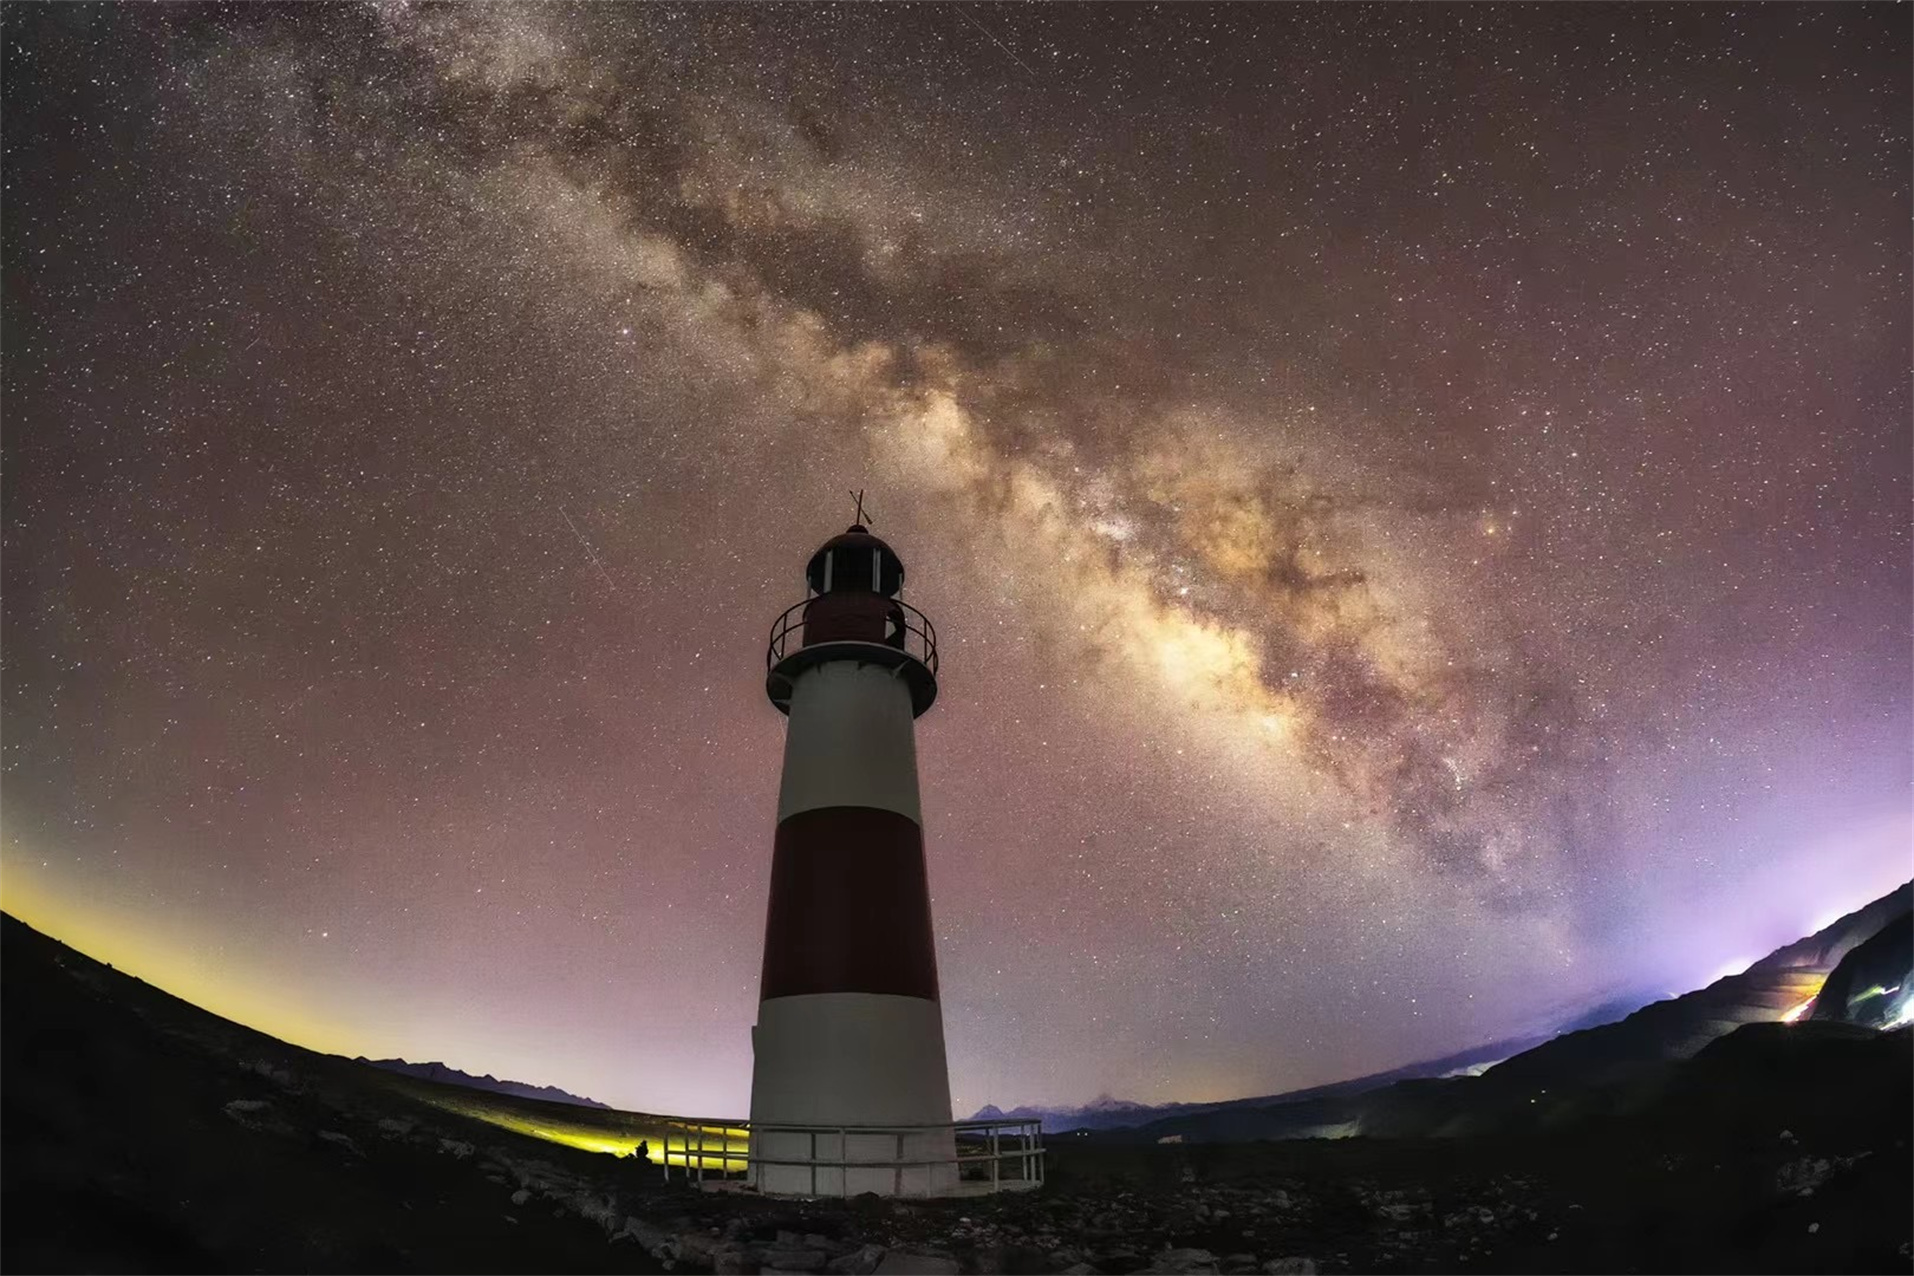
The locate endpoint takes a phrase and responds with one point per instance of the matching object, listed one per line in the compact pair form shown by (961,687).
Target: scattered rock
(1803,1176)
(651,1239)
(258,1115)
(794,1258)
(859,1262)
(456,1148)
(521,1196)
(698,1246)
(1019,1256)
(341,1140)
(899,1264)
(277,1075)
(1290,1267)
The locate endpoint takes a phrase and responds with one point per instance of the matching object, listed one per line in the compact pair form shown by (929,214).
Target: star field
(1414,501)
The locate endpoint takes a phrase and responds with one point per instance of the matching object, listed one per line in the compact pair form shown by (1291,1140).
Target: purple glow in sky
(1415,502)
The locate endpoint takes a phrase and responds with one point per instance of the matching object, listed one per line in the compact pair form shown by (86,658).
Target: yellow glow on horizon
(165,958)
(1798,1011)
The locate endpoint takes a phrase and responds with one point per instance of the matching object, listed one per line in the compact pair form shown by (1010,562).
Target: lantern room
(855,561)
(854,610)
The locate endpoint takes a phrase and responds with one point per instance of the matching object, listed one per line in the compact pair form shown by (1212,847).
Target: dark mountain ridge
(445,1075)
(1564,1077)
(1824,949)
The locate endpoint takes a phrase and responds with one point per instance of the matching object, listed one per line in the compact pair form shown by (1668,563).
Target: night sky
(1415,502)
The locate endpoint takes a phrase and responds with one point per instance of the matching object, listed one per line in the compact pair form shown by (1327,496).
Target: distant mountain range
(1848,979)
(1098,1113)
(1613,1042)
(1106,1113)
(452,1076)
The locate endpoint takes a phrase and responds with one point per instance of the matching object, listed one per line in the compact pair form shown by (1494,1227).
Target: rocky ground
(141,1134)
(1593,1204)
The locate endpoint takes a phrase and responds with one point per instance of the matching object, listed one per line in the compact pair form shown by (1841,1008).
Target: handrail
(744,1123)
(916,624)
(1011,1139)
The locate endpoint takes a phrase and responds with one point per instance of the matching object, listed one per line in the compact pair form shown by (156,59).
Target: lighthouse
(850,1090)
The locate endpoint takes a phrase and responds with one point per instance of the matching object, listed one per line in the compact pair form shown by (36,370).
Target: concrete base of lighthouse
(851,1059)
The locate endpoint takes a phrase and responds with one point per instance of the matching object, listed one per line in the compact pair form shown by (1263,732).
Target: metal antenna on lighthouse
(863,519)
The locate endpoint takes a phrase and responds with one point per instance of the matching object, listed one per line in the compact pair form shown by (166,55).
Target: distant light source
(1903,1013)
(1798,1011)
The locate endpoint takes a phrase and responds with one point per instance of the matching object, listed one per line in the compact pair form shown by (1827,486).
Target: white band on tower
(851,742)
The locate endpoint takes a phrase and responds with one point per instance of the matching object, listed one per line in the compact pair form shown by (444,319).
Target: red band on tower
(850,906)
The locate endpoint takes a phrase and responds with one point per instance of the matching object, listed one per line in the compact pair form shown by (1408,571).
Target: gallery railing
(913,634)
(983,1156)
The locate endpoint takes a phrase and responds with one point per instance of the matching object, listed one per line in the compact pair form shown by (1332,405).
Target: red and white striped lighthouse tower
(849,1029)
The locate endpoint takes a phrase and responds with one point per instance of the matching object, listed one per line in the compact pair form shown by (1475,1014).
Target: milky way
(1414,502)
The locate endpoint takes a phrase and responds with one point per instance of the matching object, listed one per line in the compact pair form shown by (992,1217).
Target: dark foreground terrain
(142,1134)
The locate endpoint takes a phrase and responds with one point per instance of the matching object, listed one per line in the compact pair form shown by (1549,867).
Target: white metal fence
(964,1158)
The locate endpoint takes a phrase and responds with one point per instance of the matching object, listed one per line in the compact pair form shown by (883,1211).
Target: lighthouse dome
(855,561)
(853,611)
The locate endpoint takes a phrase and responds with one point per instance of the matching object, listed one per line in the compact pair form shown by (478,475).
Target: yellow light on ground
(723,1147)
